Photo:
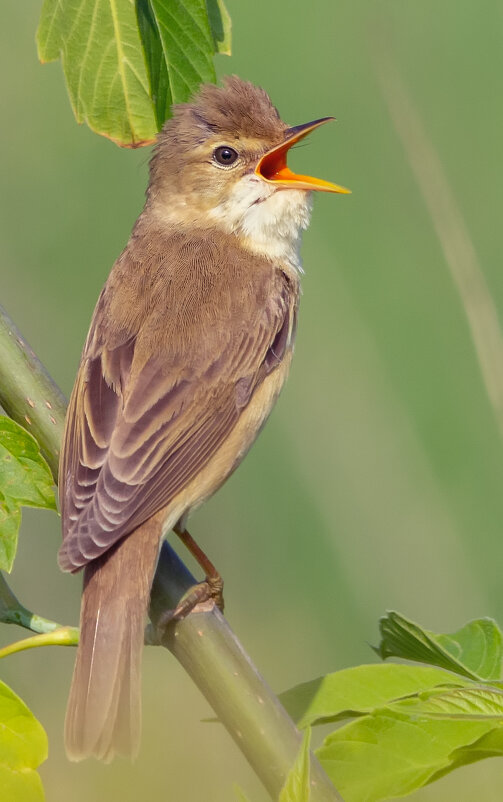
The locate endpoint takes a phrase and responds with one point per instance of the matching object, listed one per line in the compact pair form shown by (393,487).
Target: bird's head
(221,161)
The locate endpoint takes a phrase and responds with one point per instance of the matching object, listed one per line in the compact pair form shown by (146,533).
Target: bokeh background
(378,481)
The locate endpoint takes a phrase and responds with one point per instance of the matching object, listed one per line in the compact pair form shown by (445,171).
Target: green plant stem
(61,636)
(13,612)
(209,651)
(203,643)
(28,394)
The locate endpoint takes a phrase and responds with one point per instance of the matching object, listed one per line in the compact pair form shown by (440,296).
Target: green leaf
(99,44)
(126,62)
(474,702)
(297,787)
(419,726)
(25,480)
(475,650)
(187,44)
(23,747)
(50,30)
(10,521)
(179,40)
(389,755)
(220,24)
(489,745)
(156,64)
(359,690)
(411,724)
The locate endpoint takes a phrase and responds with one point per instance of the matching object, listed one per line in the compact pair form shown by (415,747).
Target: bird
(189,345)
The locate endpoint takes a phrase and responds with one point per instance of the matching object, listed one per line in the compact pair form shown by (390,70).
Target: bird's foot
(199,598)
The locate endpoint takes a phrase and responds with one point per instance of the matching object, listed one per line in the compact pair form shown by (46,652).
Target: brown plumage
(189,346)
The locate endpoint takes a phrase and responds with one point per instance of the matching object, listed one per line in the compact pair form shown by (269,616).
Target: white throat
(270,219)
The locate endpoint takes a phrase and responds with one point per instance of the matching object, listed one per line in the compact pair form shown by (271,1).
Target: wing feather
(143,421)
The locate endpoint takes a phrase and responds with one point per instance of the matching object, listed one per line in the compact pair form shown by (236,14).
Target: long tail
(103,716)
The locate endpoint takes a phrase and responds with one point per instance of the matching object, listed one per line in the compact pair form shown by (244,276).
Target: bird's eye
(225,156)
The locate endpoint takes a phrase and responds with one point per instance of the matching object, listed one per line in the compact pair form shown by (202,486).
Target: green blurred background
(378,481)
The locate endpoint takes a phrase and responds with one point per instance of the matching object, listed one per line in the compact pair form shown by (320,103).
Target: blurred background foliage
(378,480)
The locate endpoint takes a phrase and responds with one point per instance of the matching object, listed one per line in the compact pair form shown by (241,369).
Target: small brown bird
(189,346)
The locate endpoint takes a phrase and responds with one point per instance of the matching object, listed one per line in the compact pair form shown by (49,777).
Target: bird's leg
(210,589)
(213,578)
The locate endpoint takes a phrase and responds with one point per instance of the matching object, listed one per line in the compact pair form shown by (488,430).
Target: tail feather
(103,715)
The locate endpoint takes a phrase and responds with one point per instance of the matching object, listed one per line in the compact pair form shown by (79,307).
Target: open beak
(273,169)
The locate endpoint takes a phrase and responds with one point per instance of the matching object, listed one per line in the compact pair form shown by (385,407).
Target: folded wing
(139,429)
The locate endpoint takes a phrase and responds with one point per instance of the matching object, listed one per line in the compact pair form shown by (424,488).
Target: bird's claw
(195,600)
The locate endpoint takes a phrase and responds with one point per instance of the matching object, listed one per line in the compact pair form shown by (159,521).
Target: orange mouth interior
(273,168)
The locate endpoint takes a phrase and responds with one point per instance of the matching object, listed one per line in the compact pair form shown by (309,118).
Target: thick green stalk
(27,392)
(203,643)
(211,654)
